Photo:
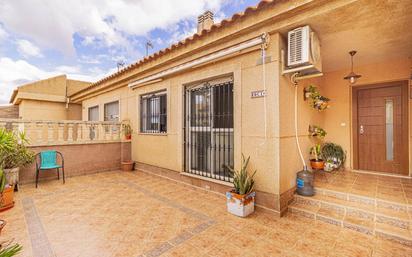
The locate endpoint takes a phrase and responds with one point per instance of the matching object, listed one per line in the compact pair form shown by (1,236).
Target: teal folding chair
(47,160)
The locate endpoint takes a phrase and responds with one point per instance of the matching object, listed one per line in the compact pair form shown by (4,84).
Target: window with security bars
(153,113)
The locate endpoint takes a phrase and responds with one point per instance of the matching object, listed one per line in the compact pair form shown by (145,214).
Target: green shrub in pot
(14,154)
(333,154)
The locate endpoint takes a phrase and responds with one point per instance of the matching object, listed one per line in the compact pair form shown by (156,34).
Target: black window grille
(153,113)
(209,133)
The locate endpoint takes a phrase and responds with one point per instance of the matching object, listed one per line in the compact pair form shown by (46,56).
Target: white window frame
(118,107)
(98,112)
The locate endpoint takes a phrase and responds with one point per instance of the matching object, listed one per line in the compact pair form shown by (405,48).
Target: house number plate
(258,93)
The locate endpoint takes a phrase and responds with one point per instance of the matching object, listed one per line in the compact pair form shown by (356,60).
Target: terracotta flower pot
(12,176)
(7,199)
(127,165)
(240,205)
(128,137)
(317,164)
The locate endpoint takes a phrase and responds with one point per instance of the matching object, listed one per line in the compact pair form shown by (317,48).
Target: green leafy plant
(316,131)
(243,182)
(315,151)
(333,153)
(6,145)
(9,251)
(2,181)
(13,150)
(316,100)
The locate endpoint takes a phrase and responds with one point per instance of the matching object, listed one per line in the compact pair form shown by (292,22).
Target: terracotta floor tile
(129,214)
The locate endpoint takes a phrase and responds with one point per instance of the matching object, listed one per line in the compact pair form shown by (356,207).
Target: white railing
(65,132)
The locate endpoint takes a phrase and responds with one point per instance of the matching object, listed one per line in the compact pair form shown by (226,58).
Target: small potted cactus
(241,199)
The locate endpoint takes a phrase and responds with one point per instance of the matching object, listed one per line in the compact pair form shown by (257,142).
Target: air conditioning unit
(303,51)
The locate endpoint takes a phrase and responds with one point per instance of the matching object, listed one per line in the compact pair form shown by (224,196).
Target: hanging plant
(316,100)
(316,131)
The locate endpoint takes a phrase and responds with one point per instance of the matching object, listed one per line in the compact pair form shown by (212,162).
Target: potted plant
(14,157)
(318,132)
(241,199)
(127,131)
(334,155)
(316,162)
(127,165)
(6,193)
(316,100)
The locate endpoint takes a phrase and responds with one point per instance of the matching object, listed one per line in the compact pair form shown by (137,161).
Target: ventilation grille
(295,47)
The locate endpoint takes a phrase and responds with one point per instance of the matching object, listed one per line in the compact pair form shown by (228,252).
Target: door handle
(361,130)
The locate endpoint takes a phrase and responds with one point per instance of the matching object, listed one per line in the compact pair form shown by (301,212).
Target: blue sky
(86,39)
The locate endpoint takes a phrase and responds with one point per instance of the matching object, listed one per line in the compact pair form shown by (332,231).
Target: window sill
(152,134)
(217,181)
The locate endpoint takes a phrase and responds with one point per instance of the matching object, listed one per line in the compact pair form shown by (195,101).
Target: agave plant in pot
(241,199)
(14,154)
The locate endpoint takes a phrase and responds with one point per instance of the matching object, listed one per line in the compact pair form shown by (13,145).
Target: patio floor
(138,214)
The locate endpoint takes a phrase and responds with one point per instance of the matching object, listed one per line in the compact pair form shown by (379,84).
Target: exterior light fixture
(352,76)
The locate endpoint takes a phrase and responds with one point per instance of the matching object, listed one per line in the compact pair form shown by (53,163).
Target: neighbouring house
(9,112)
(196,106)
(48,99)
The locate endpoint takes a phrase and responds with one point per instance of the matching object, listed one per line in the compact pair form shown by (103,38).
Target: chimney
(204,21)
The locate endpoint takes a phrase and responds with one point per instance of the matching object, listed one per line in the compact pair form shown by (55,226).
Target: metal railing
(63,132)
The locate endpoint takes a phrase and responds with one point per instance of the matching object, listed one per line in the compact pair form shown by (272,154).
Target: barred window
(153,113)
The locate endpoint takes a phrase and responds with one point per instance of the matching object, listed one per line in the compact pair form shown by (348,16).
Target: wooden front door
(381,127)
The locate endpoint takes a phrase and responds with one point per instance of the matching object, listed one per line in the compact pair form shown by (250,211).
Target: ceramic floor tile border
(40,243)
(42,247)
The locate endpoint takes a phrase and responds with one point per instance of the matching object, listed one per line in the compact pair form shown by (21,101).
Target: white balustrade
(41,133)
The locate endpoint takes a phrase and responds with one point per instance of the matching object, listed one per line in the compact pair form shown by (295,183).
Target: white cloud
(28,49)
(3,33)
(68,69)
(53,23)
(17,72)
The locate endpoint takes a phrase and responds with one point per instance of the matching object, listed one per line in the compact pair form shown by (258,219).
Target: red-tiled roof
(185,41)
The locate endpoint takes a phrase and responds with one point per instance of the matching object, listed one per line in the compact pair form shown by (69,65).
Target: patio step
(386,220)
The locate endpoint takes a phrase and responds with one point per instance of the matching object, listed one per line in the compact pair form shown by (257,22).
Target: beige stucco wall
(75,85)
(46,110)
(337,120)
(166,151)
(274,153)
(51,86)
(46,99)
